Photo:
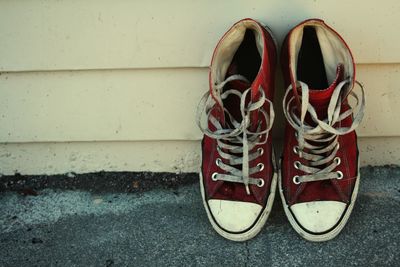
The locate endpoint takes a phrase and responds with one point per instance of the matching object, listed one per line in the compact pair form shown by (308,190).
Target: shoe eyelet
(296,150)
(296,179)
(296,134)
(340,175)
(297,164)
(260,182)
(338,145)
(260,151)
(260,166)
(337,161)
(214,177)
(218,162)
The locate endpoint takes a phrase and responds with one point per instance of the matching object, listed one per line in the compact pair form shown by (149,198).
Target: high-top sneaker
(320,165)
(237,176)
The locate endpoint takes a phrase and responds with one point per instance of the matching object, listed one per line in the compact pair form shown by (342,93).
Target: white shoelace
(324,133)
(234,137)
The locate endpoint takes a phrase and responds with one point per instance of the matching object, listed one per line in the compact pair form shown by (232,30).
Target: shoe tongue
(236,84)
(239,85)
(319,98)
(232,103)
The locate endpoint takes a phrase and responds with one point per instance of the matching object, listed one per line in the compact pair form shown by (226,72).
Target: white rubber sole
(333,232)
(256,228)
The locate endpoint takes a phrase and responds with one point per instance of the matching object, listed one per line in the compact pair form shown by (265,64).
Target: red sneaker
(320,165)
(237,176)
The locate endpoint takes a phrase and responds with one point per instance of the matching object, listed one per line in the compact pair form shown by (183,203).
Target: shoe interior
(315,52)
(238,52)
(247,59)
(246,62)
(310,63)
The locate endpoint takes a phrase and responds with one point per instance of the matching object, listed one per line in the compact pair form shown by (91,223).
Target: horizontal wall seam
(169,68)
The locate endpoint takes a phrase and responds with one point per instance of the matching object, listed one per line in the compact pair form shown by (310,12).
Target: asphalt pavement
(167,226)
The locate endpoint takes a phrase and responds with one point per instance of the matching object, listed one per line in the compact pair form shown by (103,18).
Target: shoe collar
(225,51)
(336,54)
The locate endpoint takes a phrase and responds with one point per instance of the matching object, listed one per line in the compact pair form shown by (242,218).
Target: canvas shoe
(237,176)
(320,175)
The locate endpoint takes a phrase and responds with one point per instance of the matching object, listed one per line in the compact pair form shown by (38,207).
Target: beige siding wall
(113,85)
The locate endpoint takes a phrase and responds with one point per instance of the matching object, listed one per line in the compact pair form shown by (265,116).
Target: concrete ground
(167,226)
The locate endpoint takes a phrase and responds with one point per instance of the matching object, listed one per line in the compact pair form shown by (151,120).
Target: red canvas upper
(265,78)
(333,189)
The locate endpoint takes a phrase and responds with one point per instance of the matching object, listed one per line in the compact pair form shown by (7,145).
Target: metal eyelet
(214,177)
(297,164)
(260,182)
(337,161)
(296,150)
(296,179)
(260,150)
(260,166)
(340,175)
(218,161)
(296,134)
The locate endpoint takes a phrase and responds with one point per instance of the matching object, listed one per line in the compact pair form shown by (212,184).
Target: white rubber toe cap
(234,216)
(318,216)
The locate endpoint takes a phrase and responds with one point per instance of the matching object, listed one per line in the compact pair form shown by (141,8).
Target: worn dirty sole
(258,225)
(331,233)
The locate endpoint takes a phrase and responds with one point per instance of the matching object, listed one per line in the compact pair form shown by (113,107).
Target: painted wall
(114,85)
